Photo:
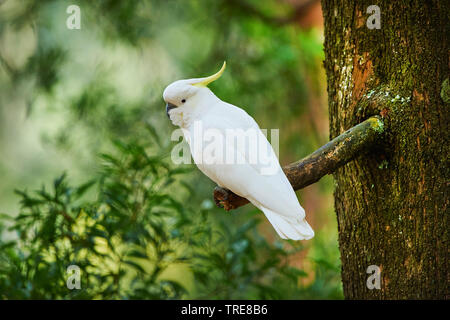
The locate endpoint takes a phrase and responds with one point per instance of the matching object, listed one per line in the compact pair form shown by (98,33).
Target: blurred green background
(86,176)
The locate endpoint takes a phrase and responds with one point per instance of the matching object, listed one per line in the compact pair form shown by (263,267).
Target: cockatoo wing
(272,193)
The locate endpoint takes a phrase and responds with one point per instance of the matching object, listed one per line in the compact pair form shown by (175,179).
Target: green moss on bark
(390,204)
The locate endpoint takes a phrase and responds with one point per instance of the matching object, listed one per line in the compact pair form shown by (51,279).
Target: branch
(333,155)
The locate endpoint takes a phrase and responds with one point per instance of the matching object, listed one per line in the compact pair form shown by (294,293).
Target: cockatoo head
(184,97)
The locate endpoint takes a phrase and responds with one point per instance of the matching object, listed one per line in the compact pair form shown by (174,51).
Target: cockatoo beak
(203,82)
(169,107)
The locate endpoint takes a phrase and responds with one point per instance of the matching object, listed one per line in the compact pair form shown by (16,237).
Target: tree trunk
(391,203)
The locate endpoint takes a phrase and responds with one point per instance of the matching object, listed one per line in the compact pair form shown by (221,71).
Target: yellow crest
(203,82)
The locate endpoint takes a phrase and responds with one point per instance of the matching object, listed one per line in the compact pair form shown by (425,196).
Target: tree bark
(391,204)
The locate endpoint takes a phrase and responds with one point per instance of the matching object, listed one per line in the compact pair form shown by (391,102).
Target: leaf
(83,188)
(180,170)
(137,254)
(135,266)
(294,273)
(5,216)
(57,183)
(153,133)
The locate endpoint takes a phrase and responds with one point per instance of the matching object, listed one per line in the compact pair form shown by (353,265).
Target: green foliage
(142,228)
(132,219)
(127,239)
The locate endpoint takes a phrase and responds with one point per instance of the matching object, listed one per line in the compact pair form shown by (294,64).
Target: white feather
(272,194)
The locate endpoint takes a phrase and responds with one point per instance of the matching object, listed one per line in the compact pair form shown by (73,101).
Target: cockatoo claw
(221,197)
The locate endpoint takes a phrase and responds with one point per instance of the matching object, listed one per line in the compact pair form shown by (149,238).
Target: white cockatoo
(191,105)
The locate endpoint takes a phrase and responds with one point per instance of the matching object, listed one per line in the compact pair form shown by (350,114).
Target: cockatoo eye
(183,101)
